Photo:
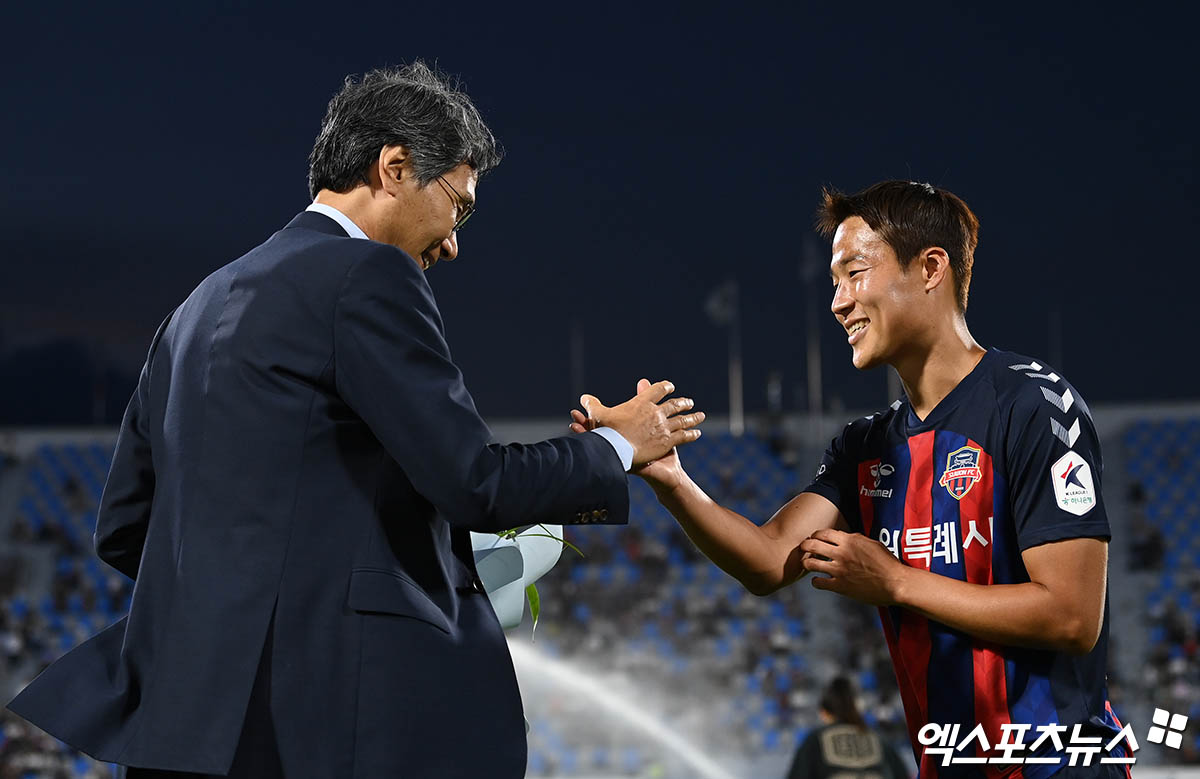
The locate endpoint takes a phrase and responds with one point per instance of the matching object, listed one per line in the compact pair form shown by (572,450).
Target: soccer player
(969,511)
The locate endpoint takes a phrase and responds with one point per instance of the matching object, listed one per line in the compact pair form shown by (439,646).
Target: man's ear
(935,266)
(392,167)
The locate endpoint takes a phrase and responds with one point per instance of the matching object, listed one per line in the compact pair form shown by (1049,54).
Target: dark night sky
(652,152)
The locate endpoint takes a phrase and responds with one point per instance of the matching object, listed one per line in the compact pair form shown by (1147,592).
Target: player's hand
(856,566)
(651,423)
(665,473)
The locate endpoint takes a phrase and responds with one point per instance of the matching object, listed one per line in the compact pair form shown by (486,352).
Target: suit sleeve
(124,512)
(393,368)
(1054,458)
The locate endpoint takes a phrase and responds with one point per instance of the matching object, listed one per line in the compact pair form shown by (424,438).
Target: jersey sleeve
(836,479)
(1055,466)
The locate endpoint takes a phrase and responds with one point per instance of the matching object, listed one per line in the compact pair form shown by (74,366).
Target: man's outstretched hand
(651,423)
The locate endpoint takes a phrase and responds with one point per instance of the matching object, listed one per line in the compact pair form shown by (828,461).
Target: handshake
(651,423)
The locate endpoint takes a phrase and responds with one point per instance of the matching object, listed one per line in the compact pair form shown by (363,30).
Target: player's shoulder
(1026,384)
(859,431)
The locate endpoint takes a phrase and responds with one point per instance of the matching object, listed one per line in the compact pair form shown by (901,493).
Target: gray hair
(414,106)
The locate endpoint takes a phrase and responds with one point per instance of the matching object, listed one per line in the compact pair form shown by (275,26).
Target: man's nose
(449,247)
(842,303)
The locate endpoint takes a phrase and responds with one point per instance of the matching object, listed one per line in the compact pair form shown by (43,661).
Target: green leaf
(535,606)
(563,541)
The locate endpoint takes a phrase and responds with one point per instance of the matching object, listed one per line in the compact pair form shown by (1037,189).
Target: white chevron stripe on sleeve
(1048,376)
(1068,437)
(1033,366)
(1061,402)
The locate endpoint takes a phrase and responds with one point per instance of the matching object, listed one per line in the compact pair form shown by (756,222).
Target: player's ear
(935,267)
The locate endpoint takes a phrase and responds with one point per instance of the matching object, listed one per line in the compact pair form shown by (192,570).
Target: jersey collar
(952,400)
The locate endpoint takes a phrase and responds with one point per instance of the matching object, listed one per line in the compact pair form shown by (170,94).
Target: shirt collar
(352,230)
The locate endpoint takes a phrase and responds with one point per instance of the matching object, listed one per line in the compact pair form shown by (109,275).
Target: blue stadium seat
(631,760)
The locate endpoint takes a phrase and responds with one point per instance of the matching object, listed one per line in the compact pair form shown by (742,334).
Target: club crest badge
(962,471)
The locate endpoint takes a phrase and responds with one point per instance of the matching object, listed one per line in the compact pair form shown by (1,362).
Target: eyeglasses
(465,207)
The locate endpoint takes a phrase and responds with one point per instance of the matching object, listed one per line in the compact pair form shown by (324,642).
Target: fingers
(658,391)
(830,536)
(580,423)
(819,565)
(823,583)
(643,385)
(676,405)
(685,421)
(591,404)
(817,546)
(680,437)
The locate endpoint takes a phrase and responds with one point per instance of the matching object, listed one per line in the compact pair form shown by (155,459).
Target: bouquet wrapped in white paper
(510,564)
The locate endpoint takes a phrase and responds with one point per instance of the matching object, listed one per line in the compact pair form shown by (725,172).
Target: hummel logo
(1061,402)
(1068,437)
(879,471)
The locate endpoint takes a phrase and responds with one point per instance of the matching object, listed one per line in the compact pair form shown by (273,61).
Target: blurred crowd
(642,611)
(36,631)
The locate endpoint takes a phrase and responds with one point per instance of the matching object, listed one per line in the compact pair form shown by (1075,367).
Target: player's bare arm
(1060,608)
(764,558)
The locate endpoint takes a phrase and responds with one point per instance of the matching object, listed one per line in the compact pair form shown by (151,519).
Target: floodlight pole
(737,419)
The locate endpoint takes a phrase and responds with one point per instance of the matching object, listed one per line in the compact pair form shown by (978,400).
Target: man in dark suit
(294,483)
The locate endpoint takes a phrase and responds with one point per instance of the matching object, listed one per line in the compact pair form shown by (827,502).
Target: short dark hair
(414,106)
(910,217)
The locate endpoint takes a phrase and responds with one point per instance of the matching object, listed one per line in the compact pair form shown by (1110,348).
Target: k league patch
(1073,485)
(962,471)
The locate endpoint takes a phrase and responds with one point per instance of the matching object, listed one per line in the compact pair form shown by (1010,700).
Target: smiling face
(883,307)
(421,218)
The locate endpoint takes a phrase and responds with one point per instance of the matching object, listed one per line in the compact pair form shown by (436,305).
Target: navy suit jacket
(301,462)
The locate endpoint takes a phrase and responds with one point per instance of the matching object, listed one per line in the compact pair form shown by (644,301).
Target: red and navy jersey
(1007,461)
